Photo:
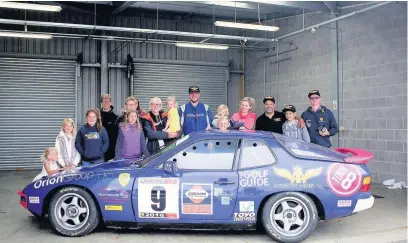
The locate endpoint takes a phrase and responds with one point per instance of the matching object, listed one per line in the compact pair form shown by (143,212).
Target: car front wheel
(290,216)
(73,212)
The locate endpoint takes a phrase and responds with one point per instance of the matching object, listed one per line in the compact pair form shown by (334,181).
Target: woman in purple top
(131,143)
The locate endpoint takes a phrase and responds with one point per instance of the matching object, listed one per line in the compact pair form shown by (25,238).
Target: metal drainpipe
(77,70)
(243,75)
(104,67)
(335,78)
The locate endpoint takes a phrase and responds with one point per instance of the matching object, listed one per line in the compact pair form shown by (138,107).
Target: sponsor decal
(254,178)
(197,198)
(225,200)
(343,203)
(247,217)
(33,199)
(158,198)
(246,206)
(344,179)
(225,197)
(124,179)
(114,195)
(218,191)
(102,176)
(113,207)
(298,178)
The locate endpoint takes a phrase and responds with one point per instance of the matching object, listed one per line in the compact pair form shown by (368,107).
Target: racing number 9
(158,197)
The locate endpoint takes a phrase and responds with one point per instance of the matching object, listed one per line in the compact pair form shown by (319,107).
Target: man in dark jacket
(109,123)
(320,121)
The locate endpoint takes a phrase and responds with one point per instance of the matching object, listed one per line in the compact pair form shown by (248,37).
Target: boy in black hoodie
(109,123)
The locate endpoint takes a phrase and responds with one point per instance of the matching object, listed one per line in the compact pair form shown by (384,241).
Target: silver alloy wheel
(71,211)
(289,216)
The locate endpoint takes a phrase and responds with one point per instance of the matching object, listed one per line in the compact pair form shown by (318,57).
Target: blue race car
(228,179)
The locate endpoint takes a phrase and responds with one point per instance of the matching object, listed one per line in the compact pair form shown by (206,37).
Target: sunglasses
(314,98)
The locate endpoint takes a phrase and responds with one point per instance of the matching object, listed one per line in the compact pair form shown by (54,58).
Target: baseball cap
(313,92)
(269,98)
(289,108)
(192,89)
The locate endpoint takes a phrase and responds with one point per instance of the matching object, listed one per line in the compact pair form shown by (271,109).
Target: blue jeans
(95,162)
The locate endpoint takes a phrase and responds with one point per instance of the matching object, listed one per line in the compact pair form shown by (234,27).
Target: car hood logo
(196,194)
(297,176)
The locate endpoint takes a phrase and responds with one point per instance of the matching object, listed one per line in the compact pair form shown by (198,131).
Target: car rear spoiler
(356,156)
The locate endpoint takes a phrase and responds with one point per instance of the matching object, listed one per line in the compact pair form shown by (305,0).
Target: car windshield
(306,150)
(161,151)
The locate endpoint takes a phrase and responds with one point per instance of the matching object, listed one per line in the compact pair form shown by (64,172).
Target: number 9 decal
(158,197)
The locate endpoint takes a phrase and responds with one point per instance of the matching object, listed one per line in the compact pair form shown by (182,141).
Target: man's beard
(192,101)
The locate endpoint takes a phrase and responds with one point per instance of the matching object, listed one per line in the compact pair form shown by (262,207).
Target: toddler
(50,164)
(173,119)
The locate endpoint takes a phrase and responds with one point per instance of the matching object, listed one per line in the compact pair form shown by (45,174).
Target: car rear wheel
(290,216)
(73,212)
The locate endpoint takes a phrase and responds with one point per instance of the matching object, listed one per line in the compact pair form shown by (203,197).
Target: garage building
(354,53)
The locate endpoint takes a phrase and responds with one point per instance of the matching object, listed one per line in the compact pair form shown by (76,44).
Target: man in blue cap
(194,116)
(320,121)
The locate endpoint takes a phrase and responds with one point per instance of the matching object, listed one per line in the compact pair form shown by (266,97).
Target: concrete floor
(385,222)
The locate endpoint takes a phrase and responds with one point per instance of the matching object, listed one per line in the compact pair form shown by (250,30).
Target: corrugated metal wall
(89,81)
(36,95)
(163,80)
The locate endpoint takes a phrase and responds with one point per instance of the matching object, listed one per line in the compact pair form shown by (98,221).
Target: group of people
(135,134)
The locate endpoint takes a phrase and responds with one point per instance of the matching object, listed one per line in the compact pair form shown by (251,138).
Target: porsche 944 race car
(212,178)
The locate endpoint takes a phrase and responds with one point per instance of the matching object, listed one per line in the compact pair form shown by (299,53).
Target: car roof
(232,133)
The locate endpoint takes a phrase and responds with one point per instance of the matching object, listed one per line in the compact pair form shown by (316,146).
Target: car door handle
(224,182)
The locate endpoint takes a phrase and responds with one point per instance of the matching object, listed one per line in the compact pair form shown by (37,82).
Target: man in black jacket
(109,123)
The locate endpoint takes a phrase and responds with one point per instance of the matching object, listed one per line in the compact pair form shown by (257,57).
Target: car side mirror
(170,167)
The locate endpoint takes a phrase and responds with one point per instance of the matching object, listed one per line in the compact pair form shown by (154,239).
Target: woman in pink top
(245,115)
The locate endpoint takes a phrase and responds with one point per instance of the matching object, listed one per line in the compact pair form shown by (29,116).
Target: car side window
(207,155)
(256,153)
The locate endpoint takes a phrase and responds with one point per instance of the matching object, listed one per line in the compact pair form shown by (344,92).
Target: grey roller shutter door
(166,79)
(35,96)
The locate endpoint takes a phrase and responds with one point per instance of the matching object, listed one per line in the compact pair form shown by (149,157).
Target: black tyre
(73,212)
(290,217)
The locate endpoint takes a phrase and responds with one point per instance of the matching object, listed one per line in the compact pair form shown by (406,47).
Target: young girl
(50,164)
(245,115)
(173,119)
(92,139)
(131,143)
(68,156)
(224,123)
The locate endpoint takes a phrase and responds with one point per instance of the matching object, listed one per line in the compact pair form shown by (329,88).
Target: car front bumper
(363,204)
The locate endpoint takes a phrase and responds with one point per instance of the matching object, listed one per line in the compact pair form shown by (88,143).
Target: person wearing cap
(320,121)
(271,120)
(194,115)
(109,123)
(291,127)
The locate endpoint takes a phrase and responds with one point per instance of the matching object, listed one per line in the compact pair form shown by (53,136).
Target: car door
(255,178)
(203,188)
(209,182)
